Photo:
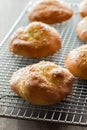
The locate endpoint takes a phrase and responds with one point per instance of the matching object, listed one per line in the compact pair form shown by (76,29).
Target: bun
(83,8)
(50,11)
(76,62)
(35,40)
(82,29)
(44,83)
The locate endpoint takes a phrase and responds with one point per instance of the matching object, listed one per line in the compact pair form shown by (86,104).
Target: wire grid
(73,109)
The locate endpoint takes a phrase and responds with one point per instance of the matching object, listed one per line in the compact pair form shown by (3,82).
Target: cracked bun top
(43,83)
(35,40)
(50,11)
(76,62)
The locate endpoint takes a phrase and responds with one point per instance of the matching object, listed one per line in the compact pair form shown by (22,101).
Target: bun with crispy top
(44,83)
(35,40)
(76,62)
(50,11)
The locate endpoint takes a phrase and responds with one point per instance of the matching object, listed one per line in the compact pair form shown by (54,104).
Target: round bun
(82,29)
(35,40)
(76,62)
(50,11)
(83,8)
(44,83)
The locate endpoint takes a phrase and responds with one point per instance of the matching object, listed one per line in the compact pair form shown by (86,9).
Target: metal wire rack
(73,109)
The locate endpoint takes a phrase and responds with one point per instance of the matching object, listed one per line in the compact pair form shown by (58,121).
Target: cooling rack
(73,109)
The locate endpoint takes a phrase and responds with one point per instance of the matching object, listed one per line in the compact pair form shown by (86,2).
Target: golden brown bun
(35,40)
(76,62)
(44,83)
(83,8)
(82,29)
(50,11)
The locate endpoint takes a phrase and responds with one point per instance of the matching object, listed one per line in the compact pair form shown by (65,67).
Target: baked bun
(83,8)
(35,40)
(44,83)
(50,11)
(82,29)
(76,62)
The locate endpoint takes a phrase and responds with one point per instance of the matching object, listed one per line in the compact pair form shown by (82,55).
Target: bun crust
(44,83)
(83,8)
(50,11)
(76,62)
(82,29)
(35,40)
